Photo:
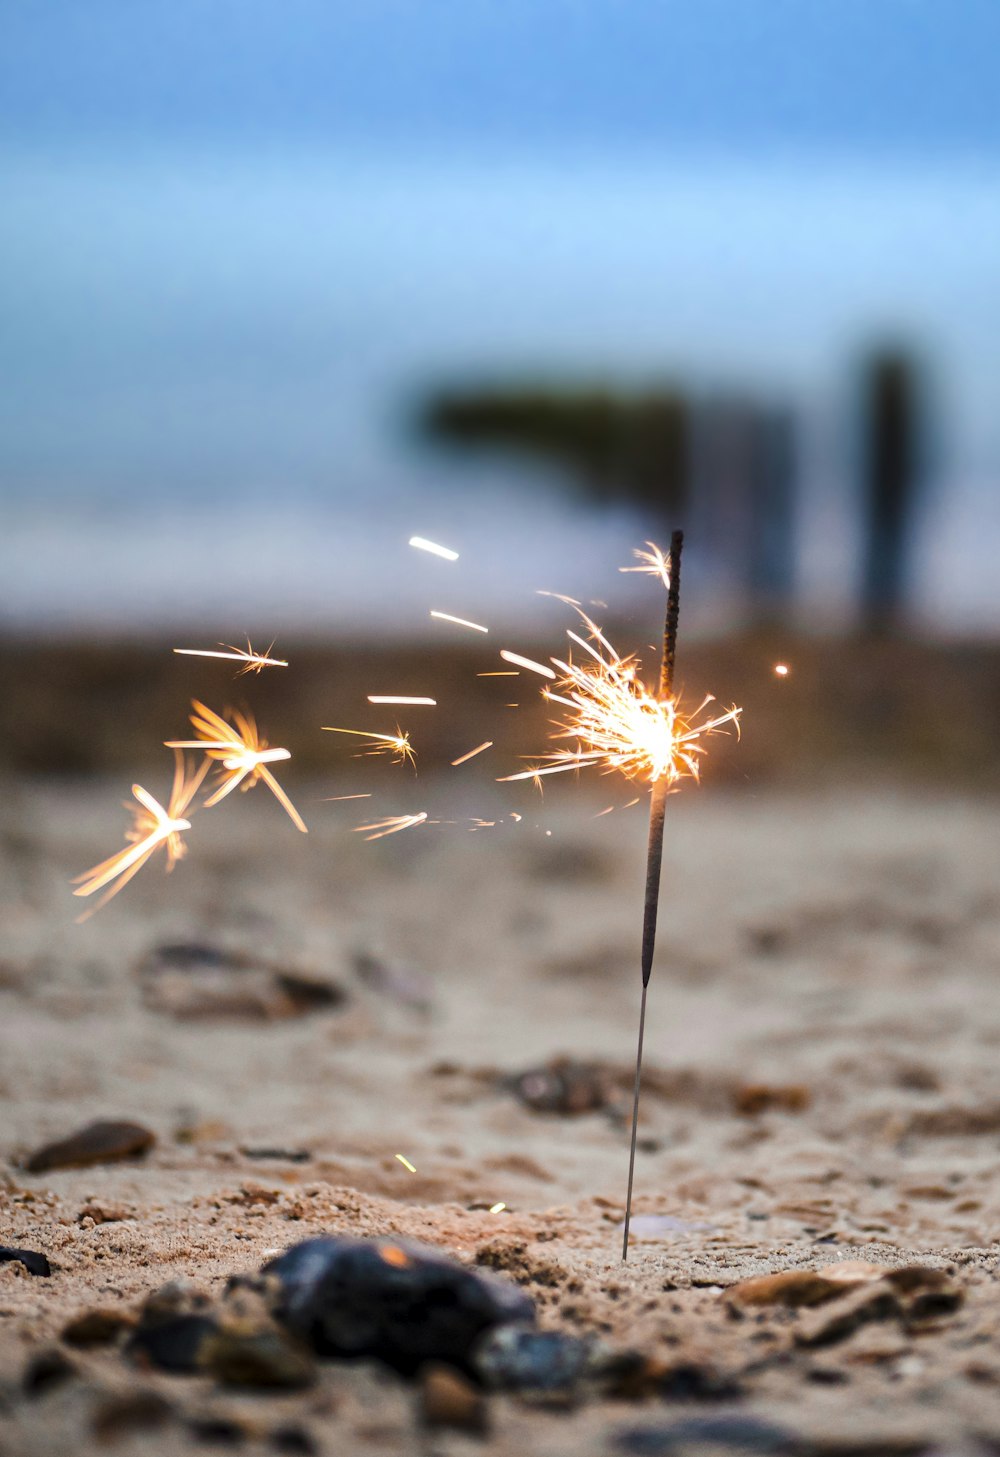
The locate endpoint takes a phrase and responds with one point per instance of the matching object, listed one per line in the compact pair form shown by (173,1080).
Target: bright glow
(252,662)
(472,753)
(391,826)
(240,752)
(422,544)
(459,621)
(781,670)
(503,673)
(498,1208)
(617,724)
(397,744)
(152,827)
(528,663)
(405,1162)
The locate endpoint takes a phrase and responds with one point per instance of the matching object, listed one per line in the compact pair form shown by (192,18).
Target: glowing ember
(464,758)
(241,754)
(528,663)
(153,826)
(406,1165)
(503,673)
(652,562)
(498,1208)
(459,621)
(397,744)
(252,662)
(422,544)
(617,723)
(781,670)
(391,826)
(400,699)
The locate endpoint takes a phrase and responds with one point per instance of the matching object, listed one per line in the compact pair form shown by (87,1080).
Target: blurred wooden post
(889,467)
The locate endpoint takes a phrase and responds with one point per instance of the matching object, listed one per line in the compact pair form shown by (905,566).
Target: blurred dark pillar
(774,515)
(889,465)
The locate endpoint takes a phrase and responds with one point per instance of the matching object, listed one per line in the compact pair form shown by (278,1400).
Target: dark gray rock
(33,1262)
(519,1358)
(398,1301)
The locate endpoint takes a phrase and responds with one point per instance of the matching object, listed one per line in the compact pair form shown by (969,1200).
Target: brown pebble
(797,1288)
(242,1355)
(96,1327)
(754,1098)
(118,1416)
(448,1399)
(105,1142)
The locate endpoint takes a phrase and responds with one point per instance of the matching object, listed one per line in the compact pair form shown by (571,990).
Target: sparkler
(240,752)
(617,724)
(252,662)
(152,827)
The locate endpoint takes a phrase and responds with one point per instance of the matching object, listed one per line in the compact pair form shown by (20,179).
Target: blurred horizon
(244,246)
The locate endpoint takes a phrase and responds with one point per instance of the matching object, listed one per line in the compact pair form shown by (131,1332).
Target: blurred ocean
(209,364)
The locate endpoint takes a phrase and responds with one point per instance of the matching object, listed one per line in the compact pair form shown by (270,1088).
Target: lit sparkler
(152,827)
(241,753)
(397,744)
(616,723)
(252,662)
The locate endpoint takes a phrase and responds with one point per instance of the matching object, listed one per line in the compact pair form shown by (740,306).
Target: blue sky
(852,76)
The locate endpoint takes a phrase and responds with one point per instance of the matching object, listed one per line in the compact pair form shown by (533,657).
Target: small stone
(190,980)
(96,1328)
(296,1440)
(242,1355)
(107,1141)
(33,1262)
(827,1328)
(755,1098)
(520,1358)
(401,1302)
(174,1323)
(744,1434)
(796,1288)
(218,1431)
(45,1371)
(449,1399)
(125,1413)
(278,1155)
(564,1086)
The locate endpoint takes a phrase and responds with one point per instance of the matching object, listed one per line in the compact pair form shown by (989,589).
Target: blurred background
(287,283)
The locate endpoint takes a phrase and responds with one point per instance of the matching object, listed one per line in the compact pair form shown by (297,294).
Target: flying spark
(391,826)
(397,744)
(782,670)
(503,673)
(405,1162)
(652,562)
(333,798)
(472,753)
(422,544)
(252,662)
(528,663)
(498,1208)
(240,752)
(400,699)
(459,621)
(152,827)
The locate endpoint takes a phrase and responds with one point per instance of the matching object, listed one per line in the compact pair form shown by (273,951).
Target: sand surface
(838,950)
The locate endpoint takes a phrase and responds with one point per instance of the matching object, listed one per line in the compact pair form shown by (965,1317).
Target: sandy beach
(821,1087)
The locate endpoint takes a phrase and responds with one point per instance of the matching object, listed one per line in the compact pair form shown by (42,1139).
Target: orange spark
(390,826)
(616,723)
(241,753)
(406,1165)
(503,673)
(422,544)
(402,699)
(472,753)
(252,662)
(782,670)
(459,621)
(652,562)
(397,743)
(152,827)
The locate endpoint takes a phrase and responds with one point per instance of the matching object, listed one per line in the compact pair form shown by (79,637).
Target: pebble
(401,1302)
(105,1142)
(261,1356)
(45,1371)
(449,1399)
(174,1323)
(733,1433)
(190,979)
(96,1328)
(34,1262)
(564,1086)
(124,1413)
(520,1358)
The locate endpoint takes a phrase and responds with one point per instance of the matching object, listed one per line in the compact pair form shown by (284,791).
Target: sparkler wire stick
(654,853)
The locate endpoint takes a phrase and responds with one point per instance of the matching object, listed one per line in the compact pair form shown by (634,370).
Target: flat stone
(34,1262)
(106,1141)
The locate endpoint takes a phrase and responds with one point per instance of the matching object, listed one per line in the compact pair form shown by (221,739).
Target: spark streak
(459,621)
(397,743)
(240,752)
(405,1162)
(422,544)
(472,753)
(390,826)
(402,699)
(528,663)
(152,827)
(652,562)
(252,662)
